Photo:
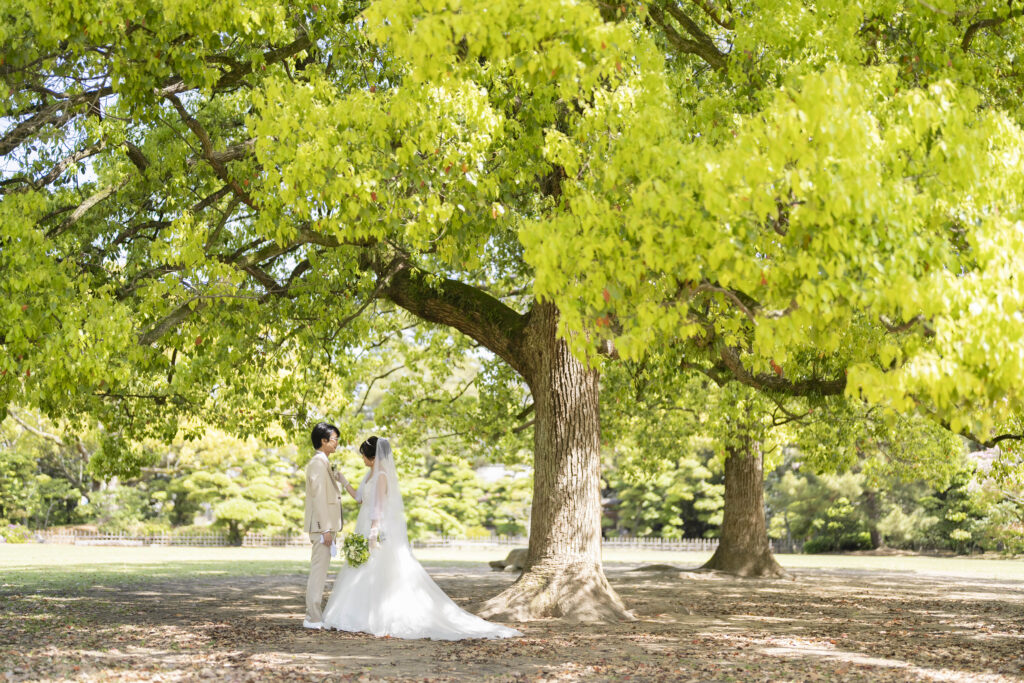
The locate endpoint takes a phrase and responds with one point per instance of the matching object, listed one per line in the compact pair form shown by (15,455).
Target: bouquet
(357,550)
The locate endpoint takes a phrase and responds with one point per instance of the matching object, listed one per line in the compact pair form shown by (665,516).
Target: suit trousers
(318,564)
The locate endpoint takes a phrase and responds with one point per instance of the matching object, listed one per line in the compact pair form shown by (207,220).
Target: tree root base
(747,565)
(573,591)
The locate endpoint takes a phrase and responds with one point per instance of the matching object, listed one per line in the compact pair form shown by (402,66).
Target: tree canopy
(193,185)
(811,197)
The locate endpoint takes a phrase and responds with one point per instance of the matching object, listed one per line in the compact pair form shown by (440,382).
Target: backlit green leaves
(843,195)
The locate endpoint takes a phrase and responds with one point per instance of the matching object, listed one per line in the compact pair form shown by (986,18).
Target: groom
(323,518)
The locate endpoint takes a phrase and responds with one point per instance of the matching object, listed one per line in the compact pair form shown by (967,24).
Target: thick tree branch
(241,70)
(214,235)
(966,433)
(234,152)
(308,236)
(749,306)
(211,155)
(689,25)
(35,430)
(132,285)
(716,373)
(525,411)
(268,252)
(929,331)
(525,425)
(300,268)
(468,309)
(776,383)
(137,157)
(84,207)
(700,45)
(57,113)
(179,315)
(714,14)
(269,283)
(1002,437)
(973,29)
(59,168)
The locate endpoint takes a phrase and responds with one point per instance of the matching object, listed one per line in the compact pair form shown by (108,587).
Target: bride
(391,594)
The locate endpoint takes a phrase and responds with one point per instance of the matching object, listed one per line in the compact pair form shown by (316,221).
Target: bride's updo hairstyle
(369,448)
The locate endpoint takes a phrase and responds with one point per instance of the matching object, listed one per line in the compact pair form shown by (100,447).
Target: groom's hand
(328,537)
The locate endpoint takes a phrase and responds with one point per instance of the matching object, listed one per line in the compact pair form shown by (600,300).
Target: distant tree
(247,487)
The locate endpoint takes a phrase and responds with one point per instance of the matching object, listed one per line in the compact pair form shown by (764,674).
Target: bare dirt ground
(834,625)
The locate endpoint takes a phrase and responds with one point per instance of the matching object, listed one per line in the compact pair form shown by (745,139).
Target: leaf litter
(824,625)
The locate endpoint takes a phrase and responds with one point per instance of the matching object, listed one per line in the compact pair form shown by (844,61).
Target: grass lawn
(31,566)
(28,567)
(976,567)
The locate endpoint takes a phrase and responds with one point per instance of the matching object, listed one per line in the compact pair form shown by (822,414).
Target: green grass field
(30,567)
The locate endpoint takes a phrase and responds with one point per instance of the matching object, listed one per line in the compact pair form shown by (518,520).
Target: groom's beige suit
(323,514)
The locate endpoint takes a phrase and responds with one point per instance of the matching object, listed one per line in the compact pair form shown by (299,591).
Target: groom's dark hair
(322,432)
(369,448)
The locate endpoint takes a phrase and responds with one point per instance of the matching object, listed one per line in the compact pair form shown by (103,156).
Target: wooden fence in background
(259,540)
(205,539)
(640,543)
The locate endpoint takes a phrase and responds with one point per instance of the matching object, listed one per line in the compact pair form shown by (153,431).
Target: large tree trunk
(744,548)
(563,577)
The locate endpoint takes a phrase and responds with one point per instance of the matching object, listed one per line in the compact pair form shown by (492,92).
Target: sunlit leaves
(842,196)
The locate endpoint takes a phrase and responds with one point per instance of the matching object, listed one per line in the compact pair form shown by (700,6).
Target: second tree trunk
(743,547)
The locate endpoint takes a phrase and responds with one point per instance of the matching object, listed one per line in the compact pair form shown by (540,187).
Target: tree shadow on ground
(822,624)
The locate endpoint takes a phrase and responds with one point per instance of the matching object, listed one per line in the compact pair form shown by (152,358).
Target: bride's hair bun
(369,448)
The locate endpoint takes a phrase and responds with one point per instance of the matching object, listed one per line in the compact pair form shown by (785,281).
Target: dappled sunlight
(65,575)
(879,626)
(843,661)
(820,652)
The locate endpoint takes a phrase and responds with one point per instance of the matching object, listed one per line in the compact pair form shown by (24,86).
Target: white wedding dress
(391,594)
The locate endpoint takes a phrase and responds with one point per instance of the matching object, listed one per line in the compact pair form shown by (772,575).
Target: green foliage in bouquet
(357,550)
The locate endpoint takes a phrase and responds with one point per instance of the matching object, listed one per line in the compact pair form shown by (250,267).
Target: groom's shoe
(315,625)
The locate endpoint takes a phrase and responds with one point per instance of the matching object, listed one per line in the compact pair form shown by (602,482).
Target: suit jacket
(323,497)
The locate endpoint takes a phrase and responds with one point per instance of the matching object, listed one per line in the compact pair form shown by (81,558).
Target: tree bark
(563,575)
(469,310)
(744,549)
(872,508)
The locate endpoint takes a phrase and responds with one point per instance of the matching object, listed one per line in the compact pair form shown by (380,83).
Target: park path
(833,625)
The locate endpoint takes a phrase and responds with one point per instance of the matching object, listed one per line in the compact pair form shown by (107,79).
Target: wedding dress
(391,594)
